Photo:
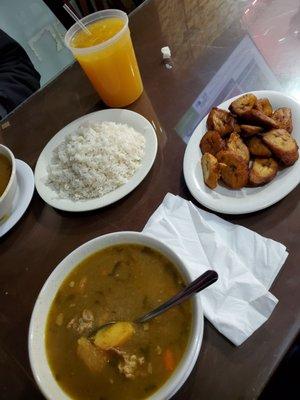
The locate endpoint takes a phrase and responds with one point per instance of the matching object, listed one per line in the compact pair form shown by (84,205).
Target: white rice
(95,160)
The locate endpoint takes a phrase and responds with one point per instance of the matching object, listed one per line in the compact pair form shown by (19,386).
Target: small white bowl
(36,340)
(6,199)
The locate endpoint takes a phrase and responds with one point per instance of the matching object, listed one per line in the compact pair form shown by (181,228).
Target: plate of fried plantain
(243,156)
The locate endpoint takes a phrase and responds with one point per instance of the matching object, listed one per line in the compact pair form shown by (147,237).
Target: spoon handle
(197,285)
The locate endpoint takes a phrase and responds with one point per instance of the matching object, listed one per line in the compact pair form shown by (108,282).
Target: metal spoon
(204,280)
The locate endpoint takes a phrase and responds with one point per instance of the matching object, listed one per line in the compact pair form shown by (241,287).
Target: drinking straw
(76,19)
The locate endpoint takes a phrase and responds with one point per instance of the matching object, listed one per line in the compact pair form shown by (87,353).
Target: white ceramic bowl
(6,199)
(36,340)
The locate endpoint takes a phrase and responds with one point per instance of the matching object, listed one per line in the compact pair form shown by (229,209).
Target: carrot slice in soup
(169,360)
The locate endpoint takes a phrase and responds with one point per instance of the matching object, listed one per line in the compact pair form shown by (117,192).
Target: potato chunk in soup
(114,336)
(124,361)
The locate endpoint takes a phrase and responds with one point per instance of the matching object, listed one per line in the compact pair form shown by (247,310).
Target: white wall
(35,27)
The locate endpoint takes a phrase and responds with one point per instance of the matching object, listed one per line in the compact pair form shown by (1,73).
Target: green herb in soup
(123,361)
(5,172)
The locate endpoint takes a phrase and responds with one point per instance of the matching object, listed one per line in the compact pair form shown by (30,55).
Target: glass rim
(96,16)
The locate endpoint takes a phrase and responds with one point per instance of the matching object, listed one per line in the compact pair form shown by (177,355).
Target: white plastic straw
(76,19)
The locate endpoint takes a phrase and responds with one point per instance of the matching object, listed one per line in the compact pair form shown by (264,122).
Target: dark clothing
(18,77)
(56,6)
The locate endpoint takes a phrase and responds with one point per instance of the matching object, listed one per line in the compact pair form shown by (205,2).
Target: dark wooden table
(201,34)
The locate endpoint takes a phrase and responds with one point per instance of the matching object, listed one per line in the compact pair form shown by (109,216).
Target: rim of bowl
(13,170)
(89,19)
(189,358)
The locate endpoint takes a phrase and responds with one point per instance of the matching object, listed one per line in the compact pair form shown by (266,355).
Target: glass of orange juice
(107,56)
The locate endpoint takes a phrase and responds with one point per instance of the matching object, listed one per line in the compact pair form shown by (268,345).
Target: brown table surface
(202,34)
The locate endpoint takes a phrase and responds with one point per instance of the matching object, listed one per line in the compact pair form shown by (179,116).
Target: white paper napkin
(247,264)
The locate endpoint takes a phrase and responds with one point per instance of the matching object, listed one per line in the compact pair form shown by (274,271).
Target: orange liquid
(113,70)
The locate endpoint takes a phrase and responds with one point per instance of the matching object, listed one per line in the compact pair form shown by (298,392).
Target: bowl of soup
(8,182)
(115,277)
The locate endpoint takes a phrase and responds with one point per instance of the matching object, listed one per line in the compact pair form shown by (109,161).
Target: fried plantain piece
(243,104)
(257,147)
(283,117)
(264,106)
(250,130)
(263,170)
(236,145)
(212,143)
(221,121)
(234,169)
(256,117)
(237,128)
(211,170)
(283,145)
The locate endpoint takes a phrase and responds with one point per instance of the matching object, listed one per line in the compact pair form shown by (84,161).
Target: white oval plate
(245,200)
(131,118)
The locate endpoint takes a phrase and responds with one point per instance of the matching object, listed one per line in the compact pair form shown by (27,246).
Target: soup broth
(5,173)
(118,283)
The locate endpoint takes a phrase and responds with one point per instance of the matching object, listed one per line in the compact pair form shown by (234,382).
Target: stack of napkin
(247,264)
